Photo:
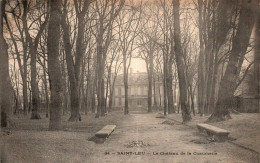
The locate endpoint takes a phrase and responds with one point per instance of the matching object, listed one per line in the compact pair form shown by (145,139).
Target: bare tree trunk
(107,86)
(111,94)
(160,97)
(65,85)
(110,102)
(34,87)
(25,89)
(192,100)
(74,67)
(91,94)
(100,83)
(150,82)
(30,100)
(82,89)
(46,88)
(103,103)
(180,62)
(257,59)
(16,93)
(94,88)
(89,86)
(126,85)
(93,102)
(75,85)
(165,63)
(165,84)
(174,91)
(23,69)
(209,79)
(171,108)
(213,86)
(54,65)
(239,47)
(100,73)
(5,82)
(33,52)
(25,85)
(154,93)
(74,99)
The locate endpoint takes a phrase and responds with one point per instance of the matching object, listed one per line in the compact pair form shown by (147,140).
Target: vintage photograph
(132,81)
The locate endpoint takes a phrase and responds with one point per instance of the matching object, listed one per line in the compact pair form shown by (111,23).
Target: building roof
(138,78)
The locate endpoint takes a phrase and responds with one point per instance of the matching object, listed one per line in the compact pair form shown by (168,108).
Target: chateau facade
(137,90)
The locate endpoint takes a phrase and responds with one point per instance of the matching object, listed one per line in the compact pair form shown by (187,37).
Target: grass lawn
(30,140)
(243,127)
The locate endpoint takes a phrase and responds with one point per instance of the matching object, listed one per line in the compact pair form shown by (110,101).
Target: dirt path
(161,143)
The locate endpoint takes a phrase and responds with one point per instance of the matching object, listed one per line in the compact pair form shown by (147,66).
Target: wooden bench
(218,133)
(106,131)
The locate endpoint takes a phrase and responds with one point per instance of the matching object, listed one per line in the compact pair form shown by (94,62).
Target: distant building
(137,91)
(246,99)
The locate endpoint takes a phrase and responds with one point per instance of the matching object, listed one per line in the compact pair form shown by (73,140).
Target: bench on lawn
(106,131)
(218,133)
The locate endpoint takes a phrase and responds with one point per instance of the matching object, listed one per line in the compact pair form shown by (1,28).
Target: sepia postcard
(138,81)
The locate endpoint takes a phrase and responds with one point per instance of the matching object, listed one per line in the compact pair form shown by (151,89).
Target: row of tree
(70,52)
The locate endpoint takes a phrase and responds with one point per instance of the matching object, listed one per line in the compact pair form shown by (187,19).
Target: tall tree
(107,11)
(180,62)
(167,45)
(128,31)
(74,66)
(5,82)
(54,68)
(257,55)
(148,48)
(214,23)
(201,69)
(22,63)
(239,47)
(112,66)
(33,46)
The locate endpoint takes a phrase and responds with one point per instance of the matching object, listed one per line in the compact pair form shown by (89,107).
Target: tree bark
(22,68)
(171,108)
(33,52)
(239,47)
(94,88)
(180,62)
(54,68)
(74,67)
(25,89)
(165,104)
(103,107)
(126,86)
(5,82)
(100,71)
(257,59)
(107,86)
(150,82)
(89,87)
(154,93)
(46,88)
